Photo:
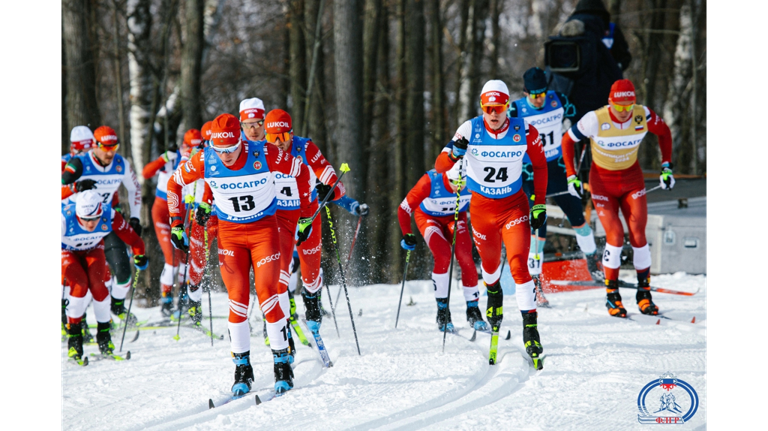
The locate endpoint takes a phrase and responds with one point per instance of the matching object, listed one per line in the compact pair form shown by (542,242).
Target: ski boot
(320,303)
(595,266)
(64,303)
(443,318)
(75,341)
(243,373)
(87,337)
(643,296)
(167,304)
(313,315)
(495,309)
(104,339)
(541,300)
(195,312)
(119,310)
(475,317)
(613,299)
(283,371)
(182,306)
(531,339)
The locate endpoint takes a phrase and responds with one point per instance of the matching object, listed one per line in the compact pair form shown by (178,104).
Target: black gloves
(136,225)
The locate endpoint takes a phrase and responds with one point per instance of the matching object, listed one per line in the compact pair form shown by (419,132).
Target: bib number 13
(243,203)
(493,175)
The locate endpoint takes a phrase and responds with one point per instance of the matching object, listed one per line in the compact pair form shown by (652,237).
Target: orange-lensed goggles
(537,95)
(108,148)
(497,109)
(620,108)
(273,137)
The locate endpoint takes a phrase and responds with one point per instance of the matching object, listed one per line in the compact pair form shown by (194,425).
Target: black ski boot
(104,339)
(643,296)
(75,341)
(87,337)
(243,373)
(283,371)
(166,307)
(182,306)
(64,303)
(320,303)
(595,266)
(443,318)
(475,317)
(613,299)
(495,311)
(195,312)
(531,339)
(312,306)
(119,310)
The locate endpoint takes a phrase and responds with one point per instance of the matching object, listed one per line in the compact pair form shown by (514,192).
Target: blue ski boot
(283,372)
(166,304)
(444,315)
(313,315)
(243,373)
(475,317)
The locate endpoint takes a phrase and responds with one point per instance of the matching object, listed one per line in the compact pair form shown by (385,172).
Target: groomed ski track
(594,369)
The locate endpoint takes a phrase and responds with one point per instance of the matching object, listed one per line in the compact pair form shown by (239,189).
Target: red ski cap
(277,121)
(206,131)
(193,138)
(622,92)
(225,131)
(494,92)
(106,136)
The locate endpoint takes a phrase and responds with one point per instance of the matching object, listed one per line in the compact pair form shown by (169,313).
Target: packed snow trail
(595,367)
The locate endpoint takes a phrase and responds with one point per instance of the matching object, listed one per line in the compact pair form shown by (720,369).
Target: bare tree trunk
(191,64)
(614,8)
(118,72)
(678,104)
(64,122)
(461,75)
(496,6)
(82,107)
(469,94)
(439,111)
(348,65)
(414,110)
(297,69)
(380,222)
(314,124)
(139,30)
(397,152)
(370,55)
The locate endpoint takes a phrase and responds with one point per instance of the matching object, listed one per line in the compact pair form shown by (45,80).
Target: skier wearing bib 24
(108,169)
(494,146)
(616,182)
(83,227)
(279,132)
(174,259)
(239,173)
(434,200)
(547,110)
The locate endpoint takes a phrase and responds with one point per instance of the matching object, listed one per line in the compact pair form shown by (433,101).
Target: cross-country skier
(279,132)
(205,223)
(239,173)
(108,169)
(616,182)
(163,167)
(84,225)
(548,111)
(432,202)
(494,146)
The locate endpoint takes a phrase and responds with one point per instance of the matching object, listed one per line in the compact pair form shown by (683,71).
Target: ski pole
(130,304)
(402,287)
(453,250)
(341,271)
(344,169)
(352,247)
(333,310)
(205,268)
(182,286)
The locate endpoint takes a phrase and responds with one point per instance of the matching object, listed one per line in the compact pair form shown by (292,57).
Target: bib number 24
(242,203)
(492,176)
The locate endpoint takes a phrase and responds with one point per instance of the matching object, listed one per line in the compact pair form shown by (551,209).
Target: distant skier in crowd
(616,182)
(108,170)
(548,111)
(84,225)
(494,146)
(432,202)
(239,173)
(163,167)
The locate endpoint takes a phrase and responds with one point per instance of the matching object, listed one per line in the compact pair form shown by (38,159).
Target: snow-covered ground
(596,366)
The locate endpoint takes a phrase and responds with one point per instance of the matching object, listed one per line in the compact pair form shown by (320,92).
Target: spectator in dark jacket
(597,21)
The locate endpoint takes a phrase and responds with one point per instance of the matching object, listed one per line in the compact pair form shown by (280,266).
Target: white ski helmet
(88,204)
(81,139)
(495,92)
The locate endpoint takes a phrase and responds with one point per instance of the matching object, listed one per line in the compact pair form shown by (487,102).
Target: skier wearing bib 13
(239,173)
(616,182)
(494,146)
